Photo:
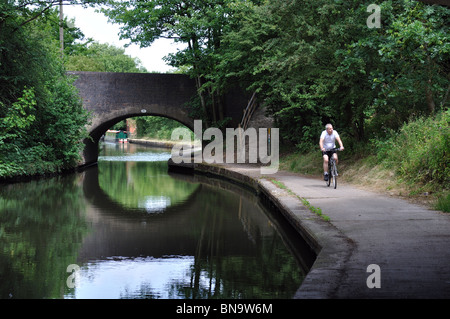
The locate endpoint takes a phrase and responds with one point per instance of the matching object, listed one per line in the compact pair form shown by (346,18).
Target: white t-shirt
(328,140)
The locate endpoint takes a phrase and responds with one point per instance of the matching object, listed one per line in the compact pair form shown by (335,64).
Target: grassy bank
(367,173)
(413,163)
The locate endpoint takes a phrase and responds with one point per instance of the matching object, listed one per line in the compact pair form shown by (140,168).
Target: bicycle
(332,167)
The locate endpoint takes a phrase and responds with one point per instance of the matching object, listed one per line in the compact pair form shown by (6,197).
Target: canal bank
(373,246)
(159,143)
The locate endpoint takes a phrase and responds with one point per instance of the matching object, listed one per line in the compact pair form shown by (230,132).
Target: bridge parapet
(110,96)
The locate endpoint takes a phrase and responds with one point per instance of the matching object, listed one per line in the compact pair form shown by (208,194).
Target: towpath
(409,243)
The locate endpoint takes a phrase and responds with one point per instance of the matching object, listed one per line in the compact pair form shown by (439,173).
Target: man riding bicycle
(327,141)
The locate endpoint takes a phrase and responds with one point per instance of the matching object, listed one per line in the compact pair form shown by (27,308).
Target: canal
(127,228)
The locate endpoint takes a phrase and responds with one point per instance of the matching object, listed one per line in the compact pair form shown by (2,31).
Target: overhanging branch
(441,2)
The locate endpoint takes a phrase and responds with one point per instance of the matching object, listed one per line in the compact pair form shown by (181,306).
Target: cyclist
(327,141)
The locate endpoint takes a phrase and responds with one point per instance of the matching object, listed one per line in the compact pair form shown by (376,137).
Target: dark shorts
(329,153)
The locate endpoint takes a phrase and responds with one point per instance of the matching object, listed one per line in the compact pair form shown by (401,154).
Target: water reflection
(137,231)
(42,225)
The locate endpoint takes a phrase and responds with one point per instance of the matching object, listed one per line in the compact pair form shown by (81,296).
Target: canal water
(127,228)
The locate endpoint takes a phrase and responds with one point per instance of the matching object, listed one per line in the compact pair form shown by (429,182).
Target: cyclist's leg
(335,156)
(325,165)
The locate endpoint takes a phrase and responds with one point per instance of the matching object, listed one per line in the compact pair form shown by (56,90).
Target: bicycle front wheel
(334,175)
(328,182)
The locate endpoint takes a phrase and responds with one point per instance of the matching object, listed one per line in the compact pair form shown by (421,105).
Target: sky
(95,25)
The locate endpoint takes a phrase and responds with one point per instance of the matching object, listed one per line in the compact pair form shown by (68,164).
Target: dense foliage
(315,62)
(198,24)
(103,57)
(41,118)
(419,151)
(42,121)
(311,62)
(156,127)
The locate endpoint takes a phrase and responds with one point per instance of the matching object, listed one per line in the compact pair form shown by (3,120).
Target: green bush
(420,151)
(443,203)
(156,127)
(42,122)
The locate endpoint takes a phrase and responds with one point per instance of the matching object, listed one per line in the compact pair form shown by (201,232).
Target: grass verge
(313,209)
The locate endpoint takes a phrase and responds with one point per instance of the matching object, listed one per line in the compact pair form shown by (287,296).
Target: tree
(416,48)
(314,62)
(31,10)
(99,57)
(197,23)
(285,50)
(42,120)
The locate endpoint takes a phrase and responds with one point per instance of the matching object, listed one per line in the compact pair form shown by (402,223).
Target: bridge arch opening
(91,150)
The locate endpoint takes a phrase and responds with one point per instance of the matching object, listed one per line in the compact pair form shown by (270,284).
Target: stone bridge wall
(112,97)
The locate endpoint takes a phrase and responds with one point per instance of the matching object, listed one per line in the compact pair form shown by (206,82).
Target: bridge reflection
(202,224)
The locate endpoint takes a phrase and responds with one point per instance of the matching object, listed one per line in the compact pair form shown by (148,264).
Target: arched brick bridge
(112,97)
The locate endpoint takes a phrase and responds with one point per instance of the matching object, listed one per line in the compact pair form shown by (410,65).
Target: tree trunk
(444,100)
(429,92)
(213,101)
(193,46)
(430,99)
(221,108)
(198,82)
